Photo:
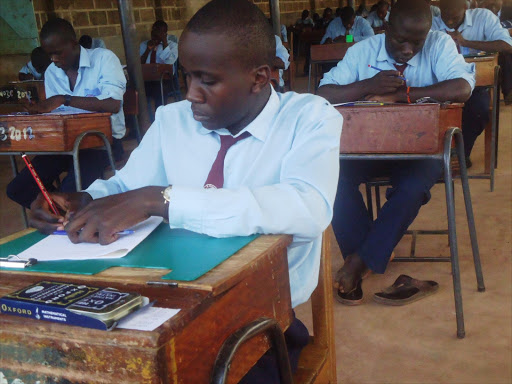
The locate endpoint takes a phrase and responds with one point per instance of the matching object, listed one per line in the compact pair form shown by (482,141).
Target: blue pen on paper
(380,70)
(125,232)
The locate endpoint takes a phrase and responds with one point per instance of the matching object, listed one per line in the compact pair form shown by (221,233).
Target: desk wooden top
(397,128)
(251,284)
(484,69)
(51,132)
(329,52)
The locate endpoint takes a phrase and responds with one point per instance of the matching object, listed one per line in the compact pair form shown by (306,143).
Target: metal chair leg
(377,198)
(309,77)
(469,211)
(233,342)
(76,161)
(494,124)
(452,233)
(14,167)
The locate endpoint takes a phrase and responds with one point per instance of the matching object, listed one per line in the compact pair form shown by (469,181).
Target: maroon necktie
(152,58)
(401,68)
(216,176)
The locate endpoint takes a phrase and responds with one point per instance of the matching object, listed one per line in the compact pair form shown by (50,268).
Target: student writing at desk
(35,68)
(430,63)
(378,19)
(347,24)
(240,158)
(91,80)
(473,30)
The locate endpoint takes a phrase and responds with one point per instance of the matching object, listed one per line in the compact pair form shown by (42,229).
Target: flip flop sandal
(406,290)
(353,297)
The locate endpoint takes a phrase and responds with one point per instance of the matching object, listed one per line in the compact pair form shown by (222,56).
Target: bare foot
(349,275)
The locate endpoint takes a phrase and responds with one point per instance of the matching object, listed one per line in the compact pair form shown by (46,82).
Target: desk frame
(451,134)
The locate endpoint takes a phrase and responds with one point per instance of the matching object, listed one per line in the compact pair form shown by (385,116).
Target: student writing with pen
(431,65)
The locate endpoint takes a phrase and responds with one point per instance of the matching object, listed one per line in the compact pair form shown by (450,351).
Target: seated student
(473,30)
(161,49)
(269,181)
(326,19)
(379,18)
(505,59)
(304,20)
(90,80)
(362,10)
(432,68)
(281,60)
(88,42)
(35,68)
(347,24)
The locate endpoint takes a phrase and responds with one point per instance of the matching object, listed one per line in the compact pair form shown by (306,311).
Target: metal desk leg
(14,167)
(309,77)
(76,162)
(469,212)
(494,124)
(452,233)
(232,343)
(162,84)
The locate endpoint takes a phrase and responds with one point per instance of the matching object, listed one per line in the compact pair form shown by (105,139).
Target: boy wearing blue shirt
(91,80)
(35,68)
(430,63)
(473,30)
(347,24)
(379,18)
(278,176)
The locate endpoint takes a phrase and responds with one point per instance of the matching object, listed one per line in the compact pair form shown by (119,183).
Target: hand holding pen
(385,82)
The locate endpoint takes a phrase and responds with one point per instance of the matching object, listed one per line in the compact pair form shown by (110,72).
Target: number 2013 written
(16,134)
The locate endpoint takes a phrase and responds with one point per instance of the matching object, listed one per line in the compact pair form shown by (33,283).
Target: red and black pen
(40,184)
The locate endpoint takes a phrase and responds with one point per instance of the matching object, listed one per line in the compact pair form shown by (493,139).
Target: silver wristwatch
(166,193)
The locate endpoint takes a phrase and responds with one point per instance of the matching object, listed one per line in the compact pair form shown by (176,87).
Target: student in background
(90,80)
(270,180)
(326,19)
(35,68)
(161,49)
(281,60)
(304,21)
(362,10)
(88,42)
(378,19)
(505,59)
(473,30)
(430,63)
(347,24)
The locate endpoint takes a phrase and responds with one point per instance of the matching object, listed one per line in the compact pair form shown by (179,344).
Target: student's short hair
(450,4)
(40,59)
(347,13)
(417,9)
(85,41)
(382,4)
(60,27)
(242,22)
(160,24)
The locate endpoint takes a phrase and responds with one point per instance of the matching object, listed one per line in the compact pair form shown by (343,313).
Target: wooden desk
(251,284)
(417,129)
(325,54)
(487,75)
(51,133)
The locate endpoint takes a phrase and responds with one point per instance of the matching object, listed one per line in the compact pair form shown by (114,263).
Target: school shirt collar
(467,22)
(84,62)
(383,54)
(259,127)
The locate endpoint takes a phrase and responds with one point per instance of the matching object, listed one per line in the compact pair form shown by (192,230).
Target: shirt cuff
(187,207)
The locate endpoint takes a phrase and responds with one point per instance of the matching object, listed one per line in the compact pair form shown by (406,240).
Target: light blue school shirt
(437,61)
(281,180)
(360,30)
(375,21)
(30,70)
(436,11)
(283,54)
(100,75)
(479,25)
(167,55)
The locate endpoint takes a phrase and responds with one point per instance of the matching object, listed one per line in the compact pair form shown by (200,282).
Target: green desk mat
(188,254)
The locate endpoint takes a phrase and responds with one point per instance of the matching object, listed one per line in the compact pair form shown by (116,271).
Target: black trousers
(505,62)
(265,371)
(24,190)
(475,117)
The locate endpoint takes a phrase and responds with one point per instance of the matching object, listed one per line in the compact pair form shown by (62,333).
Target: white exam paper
(59,247)
(147,318)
